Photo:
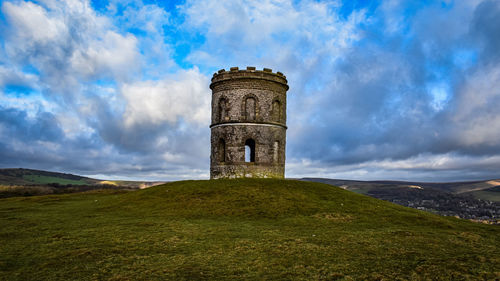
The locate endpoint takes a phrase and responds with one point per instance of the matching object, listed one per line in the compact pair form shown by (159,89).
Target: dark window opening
(250,150)
(222,151)
(250,109)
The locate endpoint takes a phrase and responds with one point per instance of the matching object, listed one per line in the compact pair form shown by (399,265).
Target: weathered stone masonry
(248,131)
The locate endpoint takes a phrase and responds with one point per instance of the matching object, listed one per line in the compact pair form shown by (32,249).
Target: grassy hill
(237,229)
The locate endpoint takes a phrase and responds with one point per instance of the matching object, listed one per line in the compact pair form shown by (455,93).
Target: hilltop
(237,229)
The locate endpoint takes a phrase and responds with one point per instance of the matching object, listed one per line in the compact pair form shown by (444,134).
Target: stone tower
(248,131)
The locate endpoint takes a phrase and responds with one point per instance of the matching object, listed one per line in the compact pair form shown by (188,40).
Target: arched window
(223,114)
(250,108)
(249,150)
(276,111)
(222,151)
(276,151)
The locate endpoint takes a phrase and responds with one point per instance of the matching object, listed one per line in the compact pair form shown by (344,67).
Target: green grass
(491,194)
(237,229)
(488,195)
(40,179)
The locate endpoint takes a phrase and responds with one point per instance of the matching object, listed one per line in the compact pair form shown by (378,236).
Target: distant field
(39,179)
(491,194)
(237,230)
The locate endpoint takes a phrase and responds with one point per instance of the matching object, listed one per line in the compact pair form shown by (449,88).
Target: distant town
(477,201)
(442,203)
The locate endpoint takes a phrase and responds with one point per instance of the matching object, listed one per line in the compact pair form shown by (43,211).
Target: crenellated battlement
(249,73)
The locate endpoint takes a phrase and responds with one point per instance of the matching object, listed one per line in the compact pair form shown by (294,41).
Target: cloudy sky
(378,89)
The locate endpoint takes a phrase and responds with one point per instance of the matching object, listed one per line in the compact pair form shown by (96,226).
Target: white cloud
(149,24)
(184,95)
(12,76)
(149,18)
(276,32)
(67,41)
(112,53)
(116,99)
(33,23)
(255,20)
(422,167)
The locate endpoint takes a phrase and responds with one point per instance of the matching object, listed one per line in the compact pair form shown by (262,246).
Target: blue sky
(404,90)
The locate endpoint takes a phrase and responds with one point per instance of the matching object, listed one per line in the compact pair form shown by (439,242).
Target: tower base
(247,170)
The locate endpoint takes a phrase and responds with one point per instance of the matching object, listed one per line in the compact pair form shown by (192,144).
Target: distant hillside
(470,200)
(486,190)
(27,182)
(452,187)
(29,177)
(492,193)
(238,230)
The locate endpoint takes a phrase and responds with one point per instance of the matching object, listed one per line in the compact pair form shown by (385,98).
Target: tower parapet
(248,128)
(249,73)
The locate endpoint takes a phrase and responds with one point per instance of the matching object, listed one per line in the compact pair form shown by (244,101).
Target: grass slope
(237,229)
(40,179)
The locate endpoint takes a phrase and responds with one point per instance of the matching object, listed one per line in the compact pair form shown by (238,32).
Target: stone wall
(248,106)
